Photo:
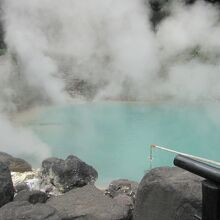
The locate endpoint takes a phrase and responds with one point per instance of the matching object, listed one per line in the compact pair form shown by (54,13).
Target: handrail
(153,146)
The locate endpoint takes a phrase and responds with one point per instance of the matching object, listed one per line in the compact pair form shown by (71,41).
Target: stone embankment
(65,190)
(61,190)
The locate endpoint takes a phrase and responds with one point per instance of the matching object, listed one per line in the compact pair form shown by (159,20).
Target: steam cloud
(108,49)
(104,50)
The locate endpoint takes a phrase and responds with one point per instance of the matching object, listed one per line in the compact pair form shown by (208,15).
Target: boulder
(6,185)
(67,174)
(25,211)
(33,197)
(89,203)
(15,164)
(168,193)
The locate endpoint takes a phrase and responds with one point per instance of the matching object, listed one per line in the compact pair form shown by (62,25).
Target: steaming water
(114,137)
(108,50)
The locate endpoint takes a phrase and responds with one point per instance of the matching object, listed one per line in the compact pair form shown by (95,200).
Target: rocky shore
(65,190)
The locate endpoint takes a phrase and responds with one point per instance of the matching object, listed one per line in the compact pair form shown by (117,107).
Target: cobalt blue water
(114,137)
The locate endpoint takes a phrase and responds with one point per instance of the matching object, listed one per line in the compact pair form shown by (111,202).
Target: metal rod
(184,154)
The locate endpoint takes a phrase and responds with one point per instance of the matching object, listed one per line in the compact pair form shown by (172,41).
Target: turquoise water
(115,137)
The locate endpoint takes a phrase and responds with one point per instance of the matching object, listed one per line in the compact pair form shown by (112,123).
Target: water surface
(114,137)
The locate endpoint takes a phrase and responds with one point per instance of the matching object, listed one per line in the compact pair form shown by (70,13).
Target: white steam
(103,50)
(19,141)
(190,52)
(108,49)
(16,140)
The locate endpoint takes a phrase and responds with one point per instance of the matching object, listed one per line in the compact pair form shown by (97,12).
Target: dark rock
(25,211)
(124,192)
(125,201)
(15,164)
(34,196)
(67,174)
(168,193)
(122,186)
(21,186)
(6,185)
(89,203)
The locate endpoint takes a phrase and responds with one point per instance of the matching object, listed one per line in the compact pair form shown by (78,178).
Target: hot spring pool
(114,137)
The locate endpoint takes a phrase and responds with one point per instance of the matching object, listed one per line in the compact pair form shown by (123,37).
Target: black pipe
(210,201)
(201,169)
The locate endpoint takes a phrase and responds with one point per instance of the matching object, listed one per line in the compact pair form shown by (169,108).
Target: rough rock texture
(89,203)
(169,194)
(124,192)
(15,164)
(125,201)
(26,211)
(67,174)
(6,185)
(33,197)
(122,186)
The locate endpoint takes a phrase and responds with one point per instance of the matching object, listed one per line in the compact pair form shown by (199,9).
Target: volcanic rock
(122,186)
(15,164)
(67,174)
(33,197)
(168,193)
(89,203)
(6,185)
(125,201)
(124,192)
(21,210)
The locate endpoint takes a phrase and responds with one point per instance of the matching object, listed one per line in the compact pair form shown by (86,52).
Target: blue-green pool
(114,137)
